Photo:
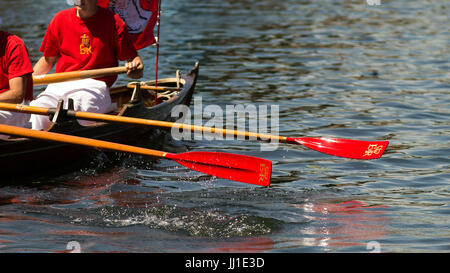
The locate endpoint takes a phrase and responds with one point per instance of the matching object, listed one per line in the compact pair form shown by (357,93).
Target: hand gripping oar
(235,167)
(348,148)
(78,75)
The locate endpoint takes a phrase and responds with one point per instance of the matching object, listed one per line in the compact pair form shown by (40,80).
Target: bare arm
(44,65)
(16,92)
(135,68)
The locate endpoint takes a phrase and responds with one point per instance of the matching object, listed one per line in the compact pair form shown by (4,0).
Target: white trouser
(15,119)
(88,95)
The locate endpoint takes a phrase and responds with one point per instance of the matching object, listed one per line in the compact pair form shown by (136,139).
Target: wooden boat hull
(21,157)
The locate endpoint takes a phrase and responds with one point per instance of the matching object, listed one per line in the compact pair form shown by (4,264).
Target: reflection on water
(335,68)
(343,225)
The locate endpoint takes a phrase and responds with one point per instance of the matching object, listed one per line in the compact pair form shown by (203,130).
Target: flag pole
(158,20)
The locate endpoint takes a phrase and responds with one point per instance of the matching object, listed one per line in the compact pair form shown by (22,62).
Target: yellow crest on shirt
(85,45)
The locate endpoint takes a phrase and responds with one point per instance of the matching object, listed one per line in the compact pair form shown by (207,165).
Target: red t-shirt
(14,62)
(99,41)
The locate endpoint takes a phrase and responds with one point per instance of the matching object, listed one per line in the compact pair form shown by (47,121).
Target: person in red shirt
(82,38)
(16,82)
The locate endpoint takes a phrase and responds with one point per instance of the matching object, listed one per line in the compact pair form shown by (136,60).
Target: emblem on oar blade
(373,149)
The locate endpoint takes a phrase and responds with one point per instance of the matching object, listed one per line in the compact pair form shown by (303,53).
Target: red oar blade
(235,167)
(348,148)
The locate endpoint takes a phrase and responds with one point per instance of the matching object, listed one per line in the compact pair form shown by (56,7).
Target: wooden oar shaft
(43,135)
(218,131)
(77,75)
(138,121)
(24,108)
(347,148)
(157,123)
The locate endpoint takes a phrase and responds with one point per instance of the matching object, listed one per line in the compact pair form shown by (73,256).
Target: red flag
(140,17)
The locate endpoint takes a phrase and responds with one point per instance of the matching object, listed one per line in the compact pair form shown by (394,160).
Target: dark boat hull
(22,157)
